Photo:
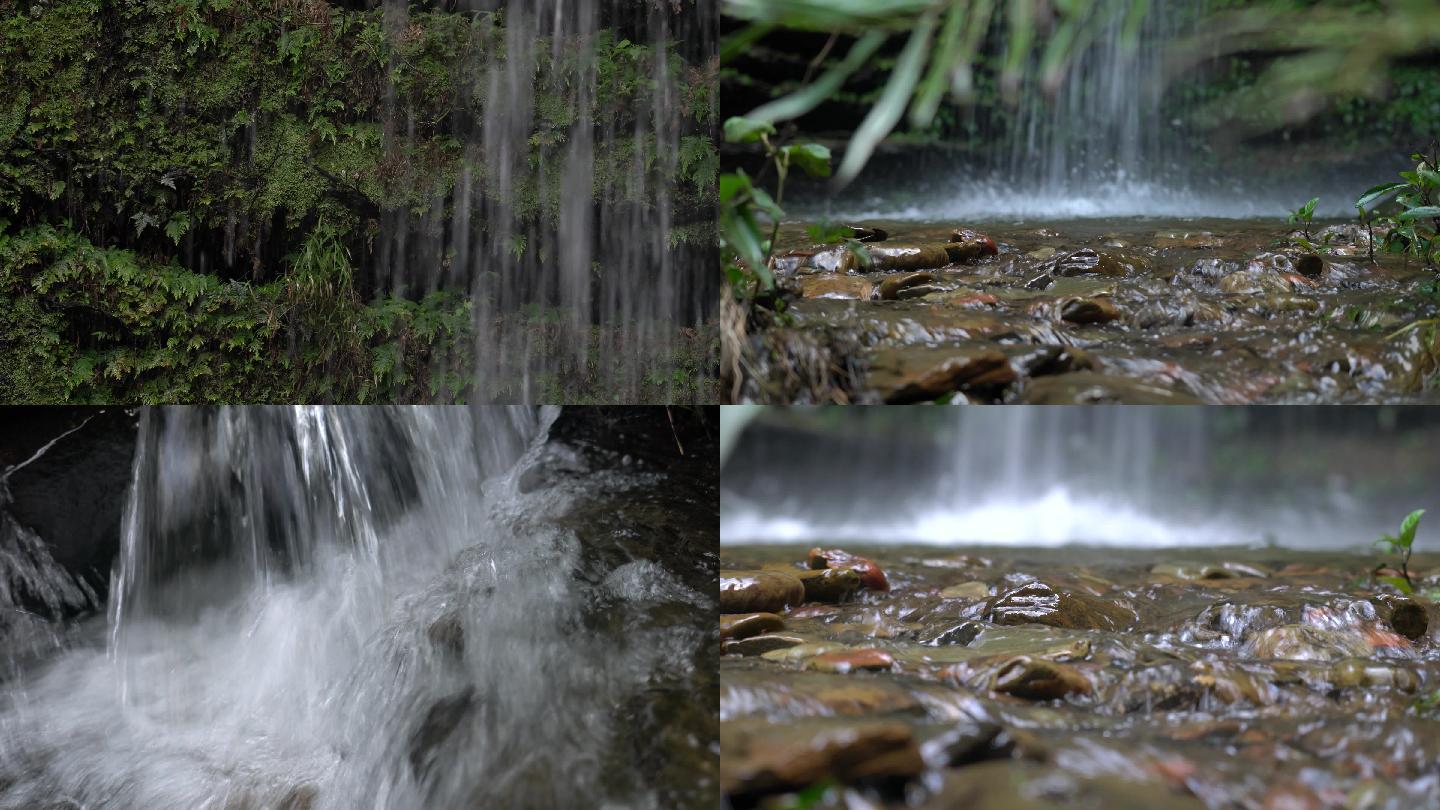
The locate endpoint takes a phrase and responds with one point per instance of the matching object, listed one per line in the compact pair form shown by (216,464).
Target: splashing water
(343,608)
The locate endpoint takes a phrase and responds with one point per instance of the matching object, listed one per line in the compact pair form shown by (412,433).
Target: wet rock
(1254,282)
(966,590)
(1408,617)
(823,260)
(759,645)
(1198,239)
(739,626)
(983,369)
(956,634)
(829,584)
(304,797)
(1085,261)
(920,291)
(1089,310)
(1354,672)
(1091,387)
(833,286)
(861,234)
(871,576)
(1040,603)
(843,661)
(759,591)
(891,287)
(759,757)
(447,633)
(1042,253)
(1044,360)
(965,236)
(1038,679)
(800,652)
(1303,642)
(963,299)
(1195,571)
(929,257)
(960,744)
(443,717)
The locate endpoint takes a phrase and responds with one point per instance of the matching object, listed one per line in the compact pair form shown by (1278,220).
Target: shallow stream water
(1146,311)
(986,677)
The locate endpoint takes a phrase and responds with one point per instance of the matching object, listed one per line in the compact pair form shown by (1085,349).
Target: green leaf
(766,203)
(812,158)
(808,98)
(746,130)
(1408,527)
(891,104)
(1308,209)
(1399,583)
(733,186)
(827,233)
(1376,194)
(1418,213)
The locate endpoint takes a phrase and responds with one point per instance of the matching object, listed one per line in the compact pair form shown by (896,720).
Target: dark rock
(443,717)
(760,757)
(843,661)
(979,370)
(1039,679)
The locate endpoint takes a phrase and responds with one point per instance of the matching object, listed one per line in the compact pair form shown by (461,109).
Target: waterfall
(561,222)
(343,608)
(1122,475)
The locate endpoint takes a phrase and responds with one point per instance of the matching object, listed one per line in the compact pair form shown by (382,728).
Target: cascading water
(352,607)
(1103,142)
(1122,475)
(562,222)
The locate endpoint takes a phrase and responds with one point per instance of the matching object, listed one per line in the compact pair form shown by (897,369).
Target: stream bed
(918,676)
(1144,311)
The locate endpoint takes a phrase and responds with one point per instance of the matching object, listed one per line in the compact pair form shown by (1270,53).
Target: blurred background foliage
(1328,75)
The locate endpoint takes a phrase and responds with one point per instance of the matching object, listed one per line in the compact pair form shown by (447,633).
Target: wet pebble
(871,576)
(744,625)
(843,661)
(759,591)
(829,584)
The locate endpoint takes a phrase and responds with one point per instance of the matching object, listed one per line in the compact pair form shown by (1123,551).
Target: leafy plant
(1402,545)
(746,248)
(1302,216)
(1413,230)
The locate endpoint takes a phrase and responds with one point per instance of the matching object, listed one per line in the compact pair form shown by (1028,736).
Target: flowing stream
(345,608)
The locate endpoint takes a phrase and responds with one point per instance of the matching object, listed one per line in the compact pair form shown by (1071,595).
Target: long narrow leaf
(927,98)
(808,98)
(891,104)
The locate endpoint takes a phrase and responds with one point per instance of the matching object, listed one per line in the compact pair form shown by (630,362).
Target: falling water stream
(596,275)
(345,608)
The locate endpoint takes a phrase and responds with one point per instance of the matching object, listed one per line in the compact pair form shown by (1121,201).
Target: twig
(673,432)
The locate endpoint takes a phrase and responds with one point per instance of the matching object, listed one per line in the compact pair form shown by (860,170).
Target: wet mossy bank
(231,201)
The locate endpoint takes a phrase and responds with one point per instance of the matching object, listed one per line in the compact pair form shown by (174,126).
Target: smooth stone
(800,652)
(890,288)
(966,590)
(1039,603)
(1194,571)
(871,576)
(737,626)
(1038,679)
(1302,642)
(759,591)
(843,287)
(843,661)
(1089,310)
(829,584)
(759,645)
(758,757)
(985,368)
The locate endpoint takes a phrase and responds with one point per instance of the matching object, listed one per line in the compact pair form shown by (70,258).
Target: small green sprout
(1402,545)
(1302,216)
